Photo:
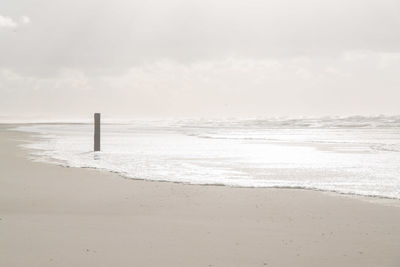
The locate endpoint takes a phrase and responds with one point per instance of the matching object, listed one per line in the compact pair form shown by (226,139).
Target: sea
(350,155)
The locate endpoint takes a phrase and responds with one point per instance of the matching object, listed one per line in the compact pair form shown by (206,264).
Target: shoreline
(386,200)
(395,202)
(53,216)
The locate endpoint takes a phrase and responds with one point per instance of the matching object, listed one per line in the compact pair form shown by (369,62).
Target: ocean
(350,155)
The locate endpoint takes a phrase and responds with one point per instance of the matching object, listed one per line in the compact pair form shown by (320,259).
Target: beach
(57,216)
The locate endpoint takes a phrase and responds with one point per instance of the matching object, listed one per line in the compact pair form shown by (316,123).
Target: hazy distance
(185,58)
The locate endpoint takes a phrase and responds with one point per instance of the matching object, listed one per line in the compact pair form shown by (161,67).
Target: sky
(66,59)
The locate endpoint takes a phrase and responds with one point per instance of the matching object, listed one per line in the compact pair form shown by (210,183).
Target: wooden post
(96,131)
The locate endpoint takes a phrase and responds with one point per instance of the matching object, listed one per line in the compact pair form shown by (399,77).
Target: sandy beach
(56,216)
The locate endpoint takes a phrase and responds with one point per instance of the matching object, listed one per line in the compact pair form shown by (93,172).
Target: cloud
(7,22)
(352,83)
(25,20)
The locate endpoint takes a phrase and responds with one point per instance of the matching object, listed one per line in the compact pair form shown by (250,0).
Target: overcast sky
(206,58)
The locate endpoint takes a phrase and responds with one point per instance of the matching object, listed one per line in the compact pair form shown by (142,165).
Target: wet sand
(56,216)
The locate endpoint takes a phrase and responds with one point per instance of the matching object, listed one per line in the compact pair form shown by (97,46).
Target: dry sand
(56,216)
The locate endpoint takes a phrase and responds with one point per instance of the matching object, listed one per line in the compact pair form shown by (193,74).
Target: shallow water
(356,155)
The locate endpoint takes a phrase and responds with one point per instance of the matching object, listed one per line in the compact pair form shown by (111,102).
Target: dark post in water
(96,131)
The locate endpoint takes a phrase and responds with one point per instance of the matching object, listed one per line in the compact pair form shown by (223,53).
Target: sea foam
(356,155)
